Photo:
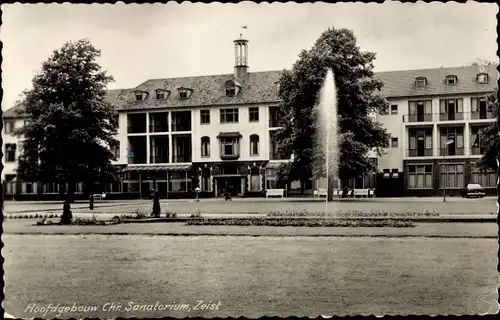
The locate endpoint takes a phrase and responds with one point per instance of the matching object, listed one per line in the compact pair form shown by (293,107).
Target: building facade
(218,131)
(434,118)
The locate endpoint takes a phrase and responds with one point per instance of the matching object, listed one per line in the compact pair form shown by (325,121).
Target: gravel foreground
(248,276)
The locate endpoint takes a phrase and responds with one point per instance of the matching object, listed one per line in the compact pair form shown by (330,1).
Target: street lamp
(197,190)
(446,143)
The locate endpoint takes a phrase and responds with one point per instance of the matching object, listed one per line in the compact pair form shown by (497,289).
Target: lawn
(251,276)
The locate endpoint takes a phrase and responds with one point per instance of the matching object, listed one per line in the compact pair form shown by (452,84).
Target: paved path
(260,205)
(467,230)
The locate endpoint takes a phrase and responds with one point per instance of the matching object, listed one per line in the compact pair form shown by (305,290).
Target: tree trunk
(302,186)
(156,205)
(345,190)
(67,216)
(91,195)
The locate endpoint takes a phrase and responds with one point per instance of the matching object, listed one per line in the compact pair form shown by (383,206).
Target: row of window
(446,106)
(449,138)
(231,115)
(11,150)
(450,176)
(10,125)
(230,146)
(232,88)
(451,80)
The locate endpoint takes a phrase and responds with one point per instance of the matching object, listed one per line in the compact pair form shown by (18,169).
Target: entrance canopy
(234,134)
(168,167)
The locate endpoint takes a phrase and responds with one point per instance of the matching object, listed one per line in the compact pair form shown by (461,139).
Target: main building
(176,134)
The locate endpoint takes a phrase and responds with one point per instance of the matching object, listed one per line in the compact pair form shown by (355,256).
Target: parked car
(473,190)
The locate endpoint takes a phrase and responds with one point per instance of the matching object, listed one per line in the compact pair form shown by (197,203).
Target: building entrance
(234,184)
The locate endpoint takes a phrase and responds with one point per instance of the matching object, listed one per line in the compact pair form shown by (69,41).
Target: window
(205,116)
(482,78)
(420,176)
(394,143)
(394,109)
(451,109)
(160,95)
(10,152)
(230,88)
(253,113)
(274,117)
(419,111)
(254,145)
(420,142)
(420,82)
(9,126)
(229,115)
(229,146)
(205,147)
(451,176)
(451,80)
(475,141)
(183,94)
(455,134)
(480,108)
(277,88)
(487,179)
(139,96)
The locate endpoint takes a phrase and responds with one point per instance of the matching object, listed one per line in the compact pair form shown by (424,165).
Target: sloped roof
(256,87)
(259,87)
(402,83)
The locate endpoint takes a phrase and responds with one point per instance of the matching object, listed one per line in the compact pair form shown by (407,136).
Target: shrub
(303,222)
(349,213)
(169,214)
(196,214)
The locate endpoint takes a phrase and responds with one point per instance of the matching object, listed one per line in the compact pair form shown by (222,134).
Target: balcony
(427,152)
(181,158)
(158,159)
(451,116)
(417,117)
(451,152)
(136,123)
(482,115)
(158,128)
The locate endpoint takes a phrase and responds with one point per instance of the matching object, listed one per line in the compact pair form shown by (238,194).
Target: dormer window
(232,88)
(183,93)
(277,84)
(420,82)
(451,80)
(482,78)
(161,94)
(139,96)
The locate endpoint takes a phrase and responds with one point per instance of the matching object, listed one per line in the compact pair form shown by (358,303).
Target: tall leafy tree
(489,139)
(70,125)
(358,95)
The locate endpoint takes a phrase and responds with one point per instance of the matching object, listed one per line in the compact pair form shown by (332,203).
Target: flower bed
(354,214)
(32,216)
(301,222)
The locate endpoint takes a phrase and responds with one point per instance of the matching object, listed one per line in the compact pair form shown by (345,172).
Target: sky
(141,42)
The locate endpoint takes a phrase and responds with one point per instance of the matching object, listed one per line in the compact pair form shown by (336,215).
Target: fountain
(327,135)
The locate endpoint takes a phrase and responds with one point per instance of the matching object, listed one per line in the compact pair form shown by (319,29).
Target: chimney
(241,57)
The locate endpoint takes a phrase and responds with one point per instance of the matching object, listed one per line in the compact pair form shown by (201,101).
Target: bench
(275,193)
(324,192)
(368,193)
(100,196)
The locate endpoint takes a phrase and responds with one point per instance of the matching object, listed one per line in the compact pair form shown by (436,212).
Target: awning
(234,134)
(168,167)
